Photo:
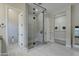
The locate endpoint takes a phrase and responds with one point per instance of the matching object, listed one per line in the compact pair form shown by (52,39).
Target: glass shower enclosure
(35,25)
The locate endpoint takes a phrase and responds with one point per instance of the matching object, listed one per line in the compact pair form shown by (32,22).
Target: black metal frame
(40,6)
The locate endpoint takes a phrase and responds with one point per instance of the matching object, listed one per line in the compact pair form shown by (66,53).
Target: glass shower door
(35,27)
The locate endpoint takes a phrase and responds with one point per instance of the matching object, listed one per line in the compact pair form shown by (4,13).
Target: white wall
(12,26)
(12,22)
(13,11)
(67,9)
(3,28)
(48,25)
(52,24)
(4,19)
(60,21)
(22,30)
(68,33)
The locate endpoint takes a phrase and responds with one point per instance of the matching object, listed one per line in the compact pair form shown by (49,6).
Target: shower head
(39,3)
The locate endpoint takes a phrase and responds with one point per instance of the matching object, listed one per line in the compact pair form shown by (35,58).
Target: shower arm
(40,6)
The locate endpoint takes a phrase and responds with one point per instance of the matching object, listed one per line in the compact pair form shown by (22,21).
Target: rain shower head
(39,5)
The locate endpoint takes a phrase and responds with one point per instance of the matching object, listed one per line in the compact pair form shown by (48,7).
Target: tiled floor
(44,50)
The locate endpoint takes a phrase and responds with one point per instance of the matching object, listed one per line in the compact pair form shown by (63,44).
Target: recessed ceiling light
(10,9)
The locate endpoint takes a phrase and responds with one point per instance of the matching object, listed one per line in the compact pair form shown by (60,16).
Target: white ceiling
(17,5)
(31,6)
(52,8)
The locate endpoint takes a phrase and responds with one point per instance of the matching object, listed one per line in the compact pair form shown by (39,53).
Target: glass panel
(35,26)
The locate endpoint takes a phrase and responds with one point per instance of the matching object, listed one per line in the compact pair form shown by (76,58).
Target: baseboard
(60,42)
(3,54)
(75,46)
(68,46)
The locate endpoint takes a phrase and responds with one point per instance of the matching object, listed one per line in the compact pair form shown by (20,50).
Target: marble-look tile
(45,50)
